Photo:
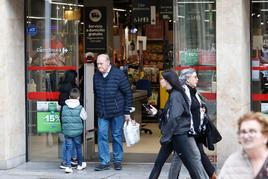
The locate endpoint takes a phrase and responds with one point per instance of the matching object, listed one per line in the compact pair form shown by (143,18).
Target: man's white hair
(104,56)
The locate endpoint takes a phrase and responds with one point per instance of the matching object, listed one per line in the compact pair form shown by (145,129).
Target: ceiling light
(121,10)
(196,2)
(213,10)
(66,4)
(36,17)
(260,1)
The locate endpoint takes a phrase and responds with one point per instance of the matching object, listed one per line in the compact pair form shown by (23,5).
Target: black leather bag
(211,136)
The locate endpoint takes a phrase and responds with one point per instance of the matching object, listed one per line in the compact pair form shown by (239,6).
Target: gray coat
(176,117)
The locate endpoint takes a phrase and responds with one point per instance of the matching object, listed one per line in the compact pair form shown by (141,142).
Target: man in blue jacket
(113,101)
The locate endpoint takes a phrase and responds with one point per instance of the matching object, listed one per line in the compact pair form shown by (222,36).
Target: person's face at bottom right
(251,136)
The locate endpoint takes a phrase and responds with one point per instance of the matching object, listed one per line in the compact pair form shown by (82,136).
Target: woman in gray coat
(188,79)
(174,126)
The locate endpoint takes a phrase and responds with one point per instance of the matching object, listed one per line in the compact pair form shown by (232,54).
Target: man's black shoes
(101,167)
(117,166)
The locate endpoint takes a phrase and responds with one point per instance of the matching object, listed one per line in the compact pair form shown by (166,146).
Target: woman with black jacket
(174,126)
(199,123)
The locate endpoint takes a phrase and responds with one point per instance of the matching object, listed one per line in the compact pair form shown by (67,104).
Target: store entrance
(138,49)
(56,43)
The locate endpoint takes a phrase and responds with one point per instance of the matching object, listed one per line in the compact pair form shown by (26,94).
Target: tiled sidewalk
(50,170)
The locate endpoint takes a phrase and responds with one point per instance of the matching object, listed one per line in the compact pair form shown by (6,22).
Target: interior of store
(138,43)
(137,48)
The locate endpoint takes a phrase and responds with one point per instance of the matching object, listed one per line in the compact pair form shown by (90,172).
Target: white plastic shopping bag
(131,132)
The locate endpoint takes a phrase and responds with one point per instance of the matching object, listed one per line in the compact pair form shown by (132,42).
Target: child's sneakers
(81,167)
(68,170)
(74,162)
(63,165)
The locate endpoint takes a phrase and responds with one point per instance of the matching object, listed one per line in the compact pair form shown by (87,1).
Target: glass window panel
(195,39)
(52,48)
(259,55)
(195,46)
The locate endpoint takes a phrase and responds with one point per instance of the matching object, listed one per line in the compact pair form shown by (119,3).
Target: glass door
(259,55)
(52,47)
(195,47)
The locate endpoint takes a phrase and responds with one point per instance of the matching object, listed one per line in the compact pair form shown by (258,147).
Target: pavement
(51,170)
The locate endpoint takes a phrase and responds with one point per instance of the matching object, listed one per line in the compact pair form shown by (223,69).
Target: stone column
(233,70)
(12,82)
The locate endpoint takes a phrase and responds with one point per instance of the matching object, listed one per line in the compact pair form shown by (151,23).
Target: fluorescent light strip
(67,4)
(121,10)
(259,1)
(56,19)
(52,18)
(35,17)
(196,2)
(264,10)
(213,10)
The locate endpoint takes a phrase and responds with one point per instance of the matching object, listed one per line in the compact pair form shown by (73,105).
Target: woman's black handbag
(211,136)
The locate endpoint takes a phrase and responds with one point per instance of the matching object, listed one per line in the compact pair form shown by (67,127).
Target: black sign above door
(95,30)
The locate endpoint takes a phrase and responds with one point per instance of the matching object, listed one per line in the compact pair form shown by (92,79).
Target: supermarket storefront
(51,44)
(54,36)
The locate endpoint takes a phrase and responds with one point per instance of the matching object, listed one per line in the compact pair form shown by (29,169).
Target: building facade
(233,75)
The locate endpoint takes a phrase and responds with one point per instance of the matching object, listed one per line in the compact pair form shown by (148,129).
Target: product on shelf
(151,74)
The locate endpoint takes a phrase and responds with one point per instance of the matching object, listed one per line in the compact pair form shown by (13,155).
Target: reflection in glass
(259,55)
(195,39)
(52,42)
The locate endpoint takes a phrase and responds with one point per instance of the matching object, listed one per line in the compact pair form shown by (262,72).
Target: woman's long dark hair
(69,76)
(68,83)
(172,78)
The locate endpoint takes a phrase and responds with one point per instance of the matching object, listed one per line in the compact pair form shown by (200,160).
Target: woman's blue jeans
(116,125)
